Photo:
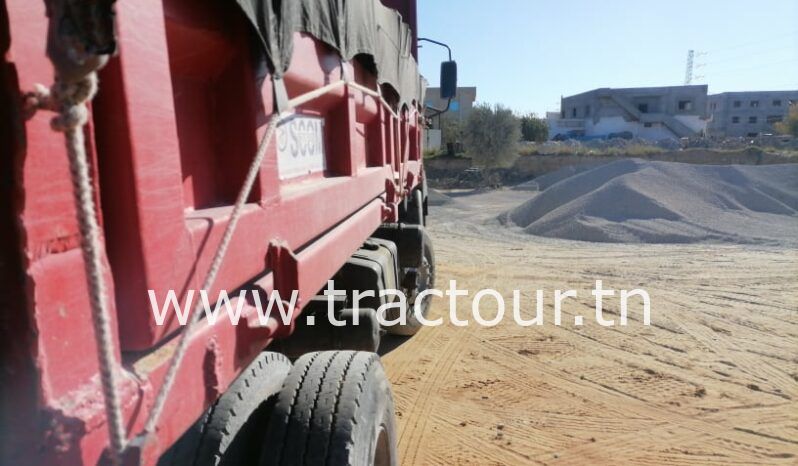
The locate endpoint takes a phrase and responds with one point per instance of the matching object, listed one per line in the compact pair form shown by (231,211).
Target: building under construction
(652,113)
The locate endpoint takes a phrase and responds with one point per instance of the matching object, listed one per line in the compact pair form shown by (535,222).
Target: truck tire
(334,409)
(234,426)
(425,281)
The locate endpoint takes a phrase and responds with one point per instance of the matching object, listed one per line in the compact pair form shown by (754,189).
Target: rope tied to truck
(210,277)
(67,100)
(80,38)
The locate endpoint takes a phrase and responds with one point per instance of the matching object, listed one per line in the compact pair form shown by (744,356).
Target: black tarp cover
(350,26)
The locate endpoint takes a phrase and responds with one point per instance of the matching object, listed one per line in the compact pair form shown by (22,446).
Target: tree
(451,133)
(790,123)
(491,136)
(534,128)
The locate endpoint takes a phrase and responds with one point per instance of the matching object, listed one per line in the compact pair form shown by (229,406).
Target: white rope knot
(38,99)
(67,99)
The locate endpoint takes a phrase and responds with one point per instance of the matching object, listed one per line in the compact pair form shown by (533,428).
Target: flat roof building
(748,114)
(652,113)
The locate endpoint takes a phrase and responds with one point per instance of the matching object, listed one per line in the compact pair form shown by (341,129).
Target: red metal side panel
(172,132)
(140,170)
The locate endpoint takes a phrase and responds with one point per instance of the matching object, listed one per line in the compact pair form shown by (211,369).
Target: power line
(737,57)
(747,44)
(762,65)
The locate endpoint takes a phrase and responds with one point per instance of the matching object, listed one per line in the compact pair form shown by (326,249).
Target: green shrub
(534,128)
(491,136)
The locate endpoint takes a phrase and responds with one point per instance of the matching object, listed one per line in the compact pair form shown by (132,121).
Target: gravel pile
(635,201)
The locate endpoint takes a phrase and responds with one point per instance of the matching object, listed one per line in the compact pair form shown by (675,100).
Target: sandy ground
(712,381)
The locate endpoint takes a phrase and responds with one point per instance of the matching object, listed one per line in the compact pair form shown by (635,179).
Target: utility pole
(688,73)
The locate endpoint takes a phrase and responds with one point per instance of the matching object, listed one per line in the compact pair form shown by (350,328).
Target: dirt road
(713,380)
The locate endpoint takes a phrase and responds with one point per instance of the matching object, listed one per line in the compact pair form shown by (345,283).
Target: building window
(714,106)
(752,119)
(754,103)
(777,103)
(752,135)
(775,118)
(562,114)
(737,104)
(643,108)
(587,110)
(647,125)
(573,112)
(735,119)
(686,105)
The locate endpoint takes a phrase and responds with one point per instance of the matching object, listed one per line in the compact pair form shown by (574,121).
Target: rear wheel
(335,408)
(425,279)
(234,425)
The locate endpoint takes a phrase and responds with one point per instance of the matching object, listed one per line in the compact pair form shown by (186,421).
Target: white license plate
(300,146)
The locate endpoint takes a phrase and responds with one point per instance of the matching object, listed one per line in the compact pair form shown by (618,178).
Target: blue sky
(527,53)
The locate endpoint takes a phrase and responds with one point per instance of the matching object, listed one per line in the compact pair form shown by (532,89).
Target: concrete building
(651,113)
(748,114)
(460,107)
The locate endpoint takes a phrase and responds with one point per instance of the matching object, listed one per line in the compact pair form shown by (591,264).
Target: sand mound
(636,201)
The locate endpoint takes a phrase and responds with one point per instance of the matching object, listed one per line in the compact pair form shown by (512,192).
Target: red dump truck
(154,149)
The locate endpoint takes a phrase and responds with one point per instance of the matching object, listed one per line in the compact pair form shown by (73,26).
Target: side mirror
(448,79)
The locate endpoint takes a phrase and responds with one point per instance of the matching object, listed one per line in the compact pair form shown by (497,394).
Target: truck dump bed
(179,114)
